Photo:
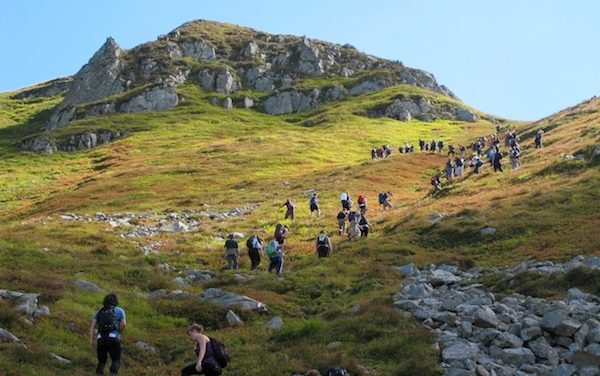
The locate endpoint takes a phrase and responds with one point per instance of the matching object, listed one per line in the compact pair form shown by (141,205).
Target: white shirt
(344,196)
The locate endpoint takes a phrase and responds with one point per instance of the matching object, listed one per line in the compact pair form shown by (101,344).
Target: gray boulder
(566,370)
(484,317)
(250,50)
(41,311)
(460,350)
(227,103)
(275,323)
(227,299)
(530,333)
(543,350)
(488,231)
(463,114)
(158,98)
(194,275)
(408,270)
(88,286)
(417,290)
(553,319)
(576,294)
(515,357)
(309,62)
(60,359)
(233,319)
(199,49)
(567,328)
(145,347)
(442,277)
(6,336)
(505,340)
(226,82)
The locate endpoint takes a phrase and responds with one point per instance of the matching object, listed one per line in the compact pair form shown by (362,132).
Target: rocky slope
(277,74)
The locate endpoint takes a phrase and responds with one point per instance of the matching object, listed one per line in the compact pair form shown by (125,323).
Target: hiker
(231,252)
(364,226)
(476,163)
(401,150)
(362,203)
(255,245)
(458,166)
(449,169)
(440,145)
(384,200)
(290,209)
(281,232)
(426,146)
(204,349)
(274,251)
(110,321)
(341,218)
(515,154)
(451,149)
(538,139)
(490,155)
(436,181)
(345,200)
(496,161)
(354,218)
(432,146)
(314,205)
(462,151)
(421,145)
(323,245)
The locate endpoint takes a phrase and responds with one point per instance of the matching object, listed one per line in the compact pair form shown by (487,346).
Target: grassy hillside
(200,156)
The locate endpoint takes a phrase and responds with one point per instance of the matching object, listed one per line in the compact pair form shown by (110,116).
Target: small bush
(212,317)
(8,315)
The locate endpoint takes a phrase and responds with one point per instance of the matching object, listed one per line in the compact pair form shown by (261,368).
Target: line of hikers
(455,164)
(381,152)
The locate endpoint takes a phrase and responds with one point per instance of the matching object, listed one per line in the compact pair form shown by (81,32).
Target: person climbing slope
(323,245)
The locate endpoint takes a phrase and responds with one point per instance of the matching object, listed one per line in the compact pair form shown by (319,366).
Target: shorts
(314,207)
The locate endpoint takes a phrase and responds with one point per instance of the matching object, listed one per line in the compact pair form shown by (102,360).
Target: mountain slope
(199,161)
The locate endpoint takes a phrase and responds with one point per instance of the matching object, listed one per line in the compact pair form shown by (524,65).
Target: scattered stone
(233,319)
(85,285)
(6,336)
(227,299)
(145,347)
(275,323)
(408,270)
(488,231)
(60,359)
(334,345)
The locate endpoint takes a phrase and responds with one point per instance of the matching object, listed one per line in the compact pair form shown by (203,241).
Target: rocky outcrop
(25,304)
(158,98)
(222,81)
(478,334)
(291,101)
(421,108)
(96,80)
(199,49)
(46,89)
(82,141)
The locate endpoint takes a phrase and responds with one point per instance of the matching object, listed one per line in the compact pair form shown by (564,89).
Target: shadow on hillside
(11,136)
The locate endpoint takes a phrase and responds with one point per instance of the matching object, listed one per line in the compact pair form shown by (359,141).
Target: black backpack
(107,321)
(220,352)
(337,371)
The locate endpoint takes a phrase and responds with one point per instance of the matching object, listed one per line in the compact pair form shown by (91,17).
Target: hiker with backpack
(345,200)
(440,145)
(476,163)
(341,218)
(421,145)
(384,200)
(274,251)
(231,253)
(323,245)
(496,162)
(212,354)
(354,218)
(515,154)
(255,245)
(290,209)
(362,203)
(450,169)
(364,225)
(110,322)
(314,205)
(538,139)
(436,181)
(281,232)
(458,166)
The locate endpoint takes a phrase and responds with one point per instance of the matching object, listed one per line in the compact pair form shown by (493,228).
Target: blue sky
(521,59)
